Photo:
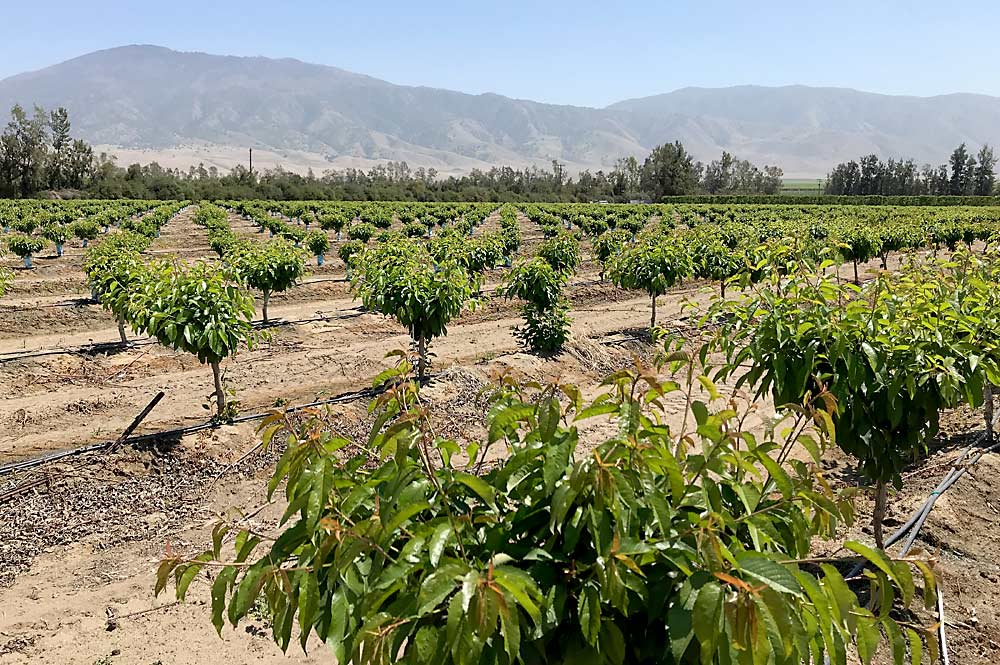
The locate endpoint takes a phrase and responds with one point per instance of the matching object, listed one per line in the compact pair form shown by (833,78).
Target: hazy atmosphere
(524,333)
(581,53)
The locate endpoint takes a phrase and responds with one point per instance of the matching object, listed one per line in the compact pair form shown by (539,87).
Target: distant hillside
(148,102)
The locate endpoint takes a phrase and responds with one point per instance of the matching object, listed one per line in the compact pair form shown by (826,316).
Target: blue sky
(586,53)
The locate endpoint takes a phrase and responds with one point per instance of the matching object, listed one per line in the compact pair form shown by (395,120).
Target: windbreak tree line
(38,153)
(965,174)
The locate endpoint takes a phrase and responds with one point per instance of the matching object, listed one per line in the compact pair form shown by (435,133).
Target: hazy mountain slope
(154,98)
(164,104)
(822,125)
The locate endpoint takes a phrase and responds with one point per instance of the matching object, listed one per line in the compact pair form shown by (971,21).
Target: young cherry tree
(400,280)
(347,253)
(318,244)
(562,252)
(712,259)
(270,268)
(362,231)
(860,244)
(85,230)
(653,265)
(57,234)
(114,270)
(884,359)
(608,244)
(25,246)
(196,309)
(618,547)
(546,319)
(333,220)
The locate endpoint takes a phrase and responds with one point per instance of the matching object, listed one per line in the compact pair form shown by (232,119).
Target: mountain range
(146,103)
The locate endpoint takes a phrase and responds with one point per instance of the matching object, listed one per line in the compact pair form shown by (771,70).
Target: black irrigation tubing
(350,396)
(97,347)
(82,301)
(919,517)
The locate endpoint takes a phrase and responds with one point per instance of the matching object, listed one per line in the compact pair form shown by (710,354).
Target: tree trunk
(220,394)
(652,319)
(267,296)
(988,408)
(421,358)
(878,515)
(885,261)
(856,280)
(722,289)
(121,331)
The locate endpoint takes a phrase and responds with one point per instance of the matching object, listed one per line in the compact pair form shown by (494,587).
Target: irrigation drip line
(364,393)
(919,517)
(98,347)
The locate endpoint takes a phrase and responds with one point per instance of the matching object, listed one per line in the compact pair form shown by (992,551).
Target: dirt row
(79,549)
(65,400)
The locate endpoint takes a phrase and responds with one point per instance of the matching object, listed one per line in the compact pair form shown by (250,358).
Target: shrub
(347,251)
(654,546)
(361,231)
(891,355)
(546,320)
(24,246)
(86,230)
(194,309)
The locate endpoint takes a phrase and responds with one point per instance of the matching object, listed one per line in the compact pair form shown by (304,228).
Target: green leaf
(308,605)
(523,588)
(219,588)
(876,557)
(186,574)
(479,486)
(405,513)
(557,459)
(761,568)
(436,587)
(777,474)
(438,541)
(589,610)
(916,646)
(706,615)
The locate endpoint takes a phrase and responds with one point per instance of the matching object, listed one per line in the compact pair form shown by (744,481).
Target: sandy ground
(80,549)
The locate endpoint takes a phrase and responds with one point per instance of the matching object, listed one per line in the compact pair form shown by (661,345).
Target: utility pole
(251,161)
